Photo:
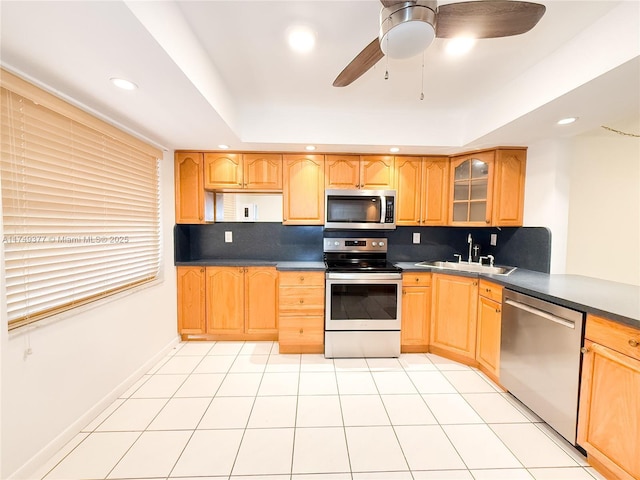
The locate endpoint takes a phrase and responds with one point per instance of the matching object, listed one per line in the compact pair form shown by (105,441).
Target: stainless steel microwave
(360,209)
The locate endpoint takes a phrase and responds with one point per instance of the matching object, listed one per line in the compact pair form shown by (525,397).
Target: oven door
(363,301)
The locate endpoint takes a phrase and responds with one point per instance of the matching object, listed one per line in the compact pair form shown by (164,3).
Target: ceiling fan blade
(366,59)
(487,18)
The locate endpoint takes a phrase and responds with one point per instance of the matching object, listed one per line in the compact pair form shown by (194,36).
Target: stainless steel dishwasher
(540,358)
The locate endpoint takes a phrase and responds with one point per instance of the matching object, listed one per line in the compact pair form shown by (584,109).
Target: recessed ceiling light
(394,149)
(459,46)
(567,121)
(222,146)
(124,84)
(310,148)
(301,39)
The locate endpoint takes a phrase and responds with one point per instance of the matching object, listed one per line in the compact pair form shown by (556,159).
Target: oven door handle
(363,276)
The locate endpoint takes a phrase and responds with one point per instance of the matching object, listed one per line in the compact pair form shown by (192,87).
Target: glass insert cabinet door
(471,189)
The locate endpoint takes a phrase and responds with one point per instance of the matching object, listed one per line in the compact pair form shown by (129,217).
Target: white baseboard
(37,466)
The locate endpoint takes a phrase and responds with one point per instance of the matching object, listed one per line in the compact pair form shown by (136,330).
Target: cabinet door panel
(609,422)
(376,172)
(508,200)
(408,190)
(262,171)
(189,186)
(435,188)
(261,308)
(191,300)
(471,189)
(453,314)
(222,170)
(225,300)
(303,192)
(489,324)
(342,171)
(416,306)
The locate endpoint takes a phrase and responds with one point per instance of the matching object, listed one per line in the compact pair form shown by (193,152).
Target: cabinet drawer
(308,330)
(414,279)
(616,336)
(490,290)
(309,300)
(301,278)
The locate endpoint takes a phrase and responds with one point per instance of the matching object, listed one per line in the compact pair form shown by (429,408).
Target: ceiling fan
(408,28)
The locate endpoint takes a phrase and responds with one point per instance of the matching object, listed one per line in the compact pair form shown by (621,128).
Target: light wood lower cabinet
(191,305)
(609,412)
(453,317)
(489,325)
(301,312)
(241,303)
(416,312)
(227,303)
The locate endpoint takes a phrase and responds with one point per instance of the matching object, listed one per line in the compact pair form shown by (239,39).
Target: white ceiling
(214,72)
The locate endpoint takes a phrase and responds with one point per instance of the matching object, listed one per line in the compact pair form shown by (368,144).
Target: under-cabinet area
(482,188)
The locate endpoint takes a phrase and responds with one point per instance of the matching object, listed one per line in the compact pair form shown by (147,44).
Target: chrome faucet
(470,242)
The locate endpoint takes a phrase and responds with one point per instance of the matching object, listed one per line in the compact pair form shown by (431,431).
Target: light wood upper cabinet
(251,171)
(303,190)
(487,188)
(416,312)
(422,186)
(372,172)
(453,316)
(191,304)
(508,188)
(489,328)
(342,171)
(193,204)
(609,412)
(222,170)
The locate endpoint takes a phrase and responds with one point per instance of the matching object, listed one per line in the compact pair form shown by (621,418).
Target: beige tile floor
(240,410)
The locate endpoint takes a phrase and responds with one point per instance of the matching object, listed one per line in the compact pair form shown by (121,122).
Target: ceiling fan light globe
(406,31)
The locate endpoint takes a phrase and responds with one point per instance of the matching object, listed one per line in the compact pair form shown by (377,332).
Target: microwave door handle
(383,209)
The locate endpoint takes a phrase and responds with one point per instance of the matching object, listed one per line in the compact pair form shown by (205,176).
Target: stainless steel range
(362,305)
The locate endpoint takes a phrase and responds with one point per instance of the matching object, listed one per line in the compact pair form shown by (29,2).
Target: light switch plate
(494,239)
(416,237)
(228,237)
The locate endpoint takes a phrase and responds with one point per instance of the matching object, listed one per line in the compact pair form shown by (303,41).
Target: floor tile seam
(124,454)
(564,446)
(513,453)
(344,428)
(295,423)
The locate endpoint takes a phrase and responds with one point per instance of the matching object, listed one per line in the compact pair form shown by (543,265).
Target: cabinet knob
(584,350)
(417,280)
(301,301)
(487,221)
(301,331)
(301,278)
(404,292)
(475,283)
(633,342)
(488,290)
(497,310)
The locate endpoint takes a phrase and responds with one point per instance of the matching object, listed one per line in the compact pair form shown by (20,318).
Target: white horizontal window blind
(80,210)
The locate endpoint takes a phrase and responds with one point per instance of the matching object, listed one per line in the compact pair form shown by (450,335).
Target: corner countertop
(617,301)
(613,300)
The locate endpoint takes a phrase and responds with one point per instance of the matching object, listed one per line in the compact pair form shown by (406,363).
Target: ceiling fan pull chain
(386,60)
(422,91)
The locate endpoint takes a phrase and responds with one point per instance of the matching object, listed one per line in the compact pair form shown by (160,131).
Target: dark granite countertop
(617,301)
(284,266)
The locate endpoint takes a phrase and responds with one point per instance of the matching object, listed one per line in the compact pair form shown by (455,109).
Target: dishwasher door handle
(542,313)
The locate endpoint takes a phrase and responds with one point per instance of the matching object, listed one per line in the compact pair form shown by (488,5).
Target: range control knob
(336,243)
(373,244)
(381,244)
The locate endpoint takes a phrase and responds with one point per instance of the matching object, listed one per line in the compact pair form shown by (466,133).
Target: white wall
(546,200)
(82,362)
(604,205)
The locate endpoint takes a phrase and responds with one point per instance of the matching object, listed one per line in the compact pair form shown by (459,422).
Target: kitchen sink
(468,267)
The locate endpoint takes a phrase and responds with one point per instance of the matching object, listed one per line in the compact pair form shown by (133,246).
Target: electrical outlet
(416,237)
(494,239)
(228,237)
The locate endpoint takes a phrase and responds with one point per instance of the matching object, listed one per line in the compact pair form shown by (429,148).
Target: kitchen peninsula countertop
(617,301)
